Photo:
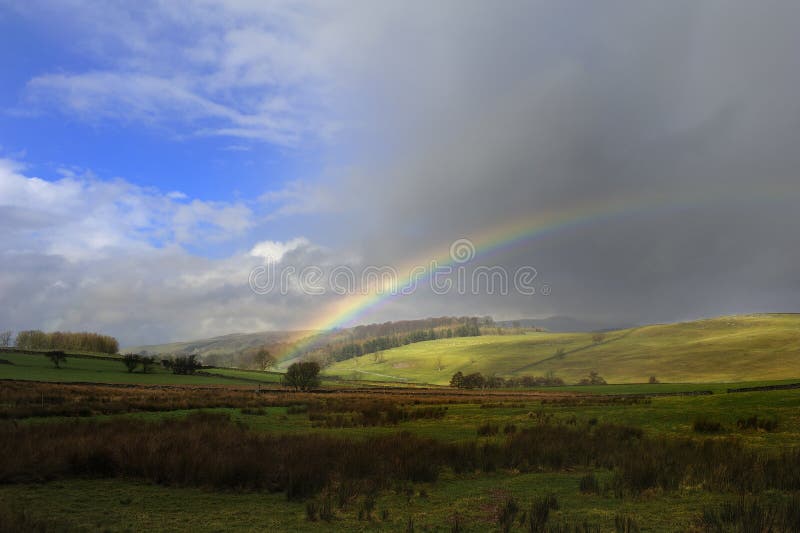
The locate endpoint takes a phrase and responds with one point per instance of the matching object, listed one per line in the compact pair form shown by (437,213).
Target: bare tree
(5,338)
(262,359)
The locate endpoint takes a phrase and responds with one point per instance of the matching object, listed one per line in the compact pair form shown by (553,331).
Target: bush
(754,422)
(704,425)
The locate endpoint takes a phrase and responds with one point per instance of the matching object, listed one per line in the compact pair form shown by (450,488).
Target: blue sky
(152,154)
(164,155)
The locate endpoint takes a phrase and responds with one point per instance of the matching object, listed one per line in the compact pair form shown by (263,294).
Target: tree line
(470,327)
(64,340)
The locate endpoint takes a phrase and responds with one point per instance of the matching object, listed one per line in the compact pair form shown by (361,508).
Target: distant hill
(225,345)
(232,350)
(563,324)
(724,349)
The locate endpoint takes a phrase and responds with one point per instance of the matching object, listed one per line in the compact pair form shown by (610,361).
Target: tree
(597,338)
(653,380)
(147,363)
(5,338)
(57,357)
(302,376)
(131,361)
(457,380)
(262,359)
(474,381)
(593,379)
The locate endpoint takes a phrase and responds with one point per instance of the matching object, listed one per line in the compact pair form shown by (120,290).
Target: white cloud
(274,251)
(81,216)
(83,253)
(135,96)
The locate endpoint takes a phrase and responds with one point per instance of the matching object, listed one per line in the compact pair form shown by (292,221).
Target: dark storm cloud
(497,112)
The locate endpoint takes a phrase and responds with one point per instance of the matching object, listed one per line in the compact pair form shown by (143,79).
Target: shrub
(754,422)
(704,425)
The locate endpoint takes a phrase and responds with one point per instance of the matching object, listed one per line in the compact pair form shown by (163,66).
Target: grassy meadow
(719,350)
(121,473)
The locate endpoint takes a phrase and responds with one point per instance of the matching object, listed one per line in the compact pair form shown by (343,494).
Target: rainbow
(351,309)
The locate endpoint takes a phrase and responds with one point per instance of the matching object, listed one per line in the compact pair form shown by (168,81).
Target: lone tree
(597,338)
(5,338)
(131,361)
(57,357)
(302,376)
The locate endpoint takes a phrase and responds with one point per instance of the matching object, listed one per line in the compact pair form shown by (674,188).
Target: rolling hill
(222,345)
(724,349)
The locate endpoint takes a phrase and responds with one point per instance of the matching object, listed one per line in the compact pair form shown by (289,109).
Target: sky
(640,157)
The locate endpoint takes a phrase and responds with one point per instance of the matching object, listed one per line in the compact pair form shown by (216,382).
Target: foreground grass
(471,499)
(117,505)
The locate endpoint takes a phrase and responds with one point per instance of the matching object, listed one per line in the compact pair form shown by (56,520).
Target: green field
(128,504)
(96,370)
(103,369)
(725,349)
